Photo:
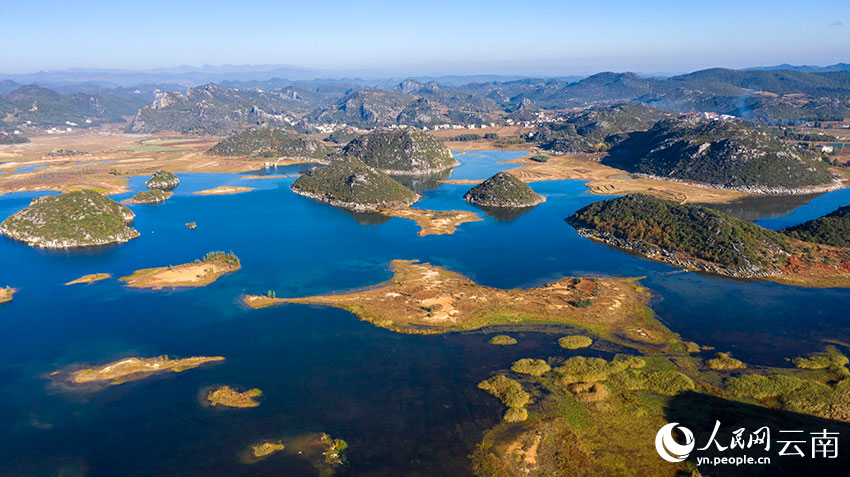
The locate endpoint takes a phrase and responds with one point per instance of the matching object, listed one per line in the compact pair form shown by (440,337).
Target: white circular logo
(668,448)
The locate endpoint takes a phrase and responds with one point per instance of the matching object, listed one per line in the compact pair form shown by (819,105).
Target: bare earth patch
(132,369)
(6,294)
(94,277)
(434,222)
(197,274)
(221,190)
(606,180)
(422,298)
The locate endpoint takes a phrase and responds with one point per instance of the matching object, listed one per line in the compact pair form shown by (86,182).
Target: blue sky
(436,37)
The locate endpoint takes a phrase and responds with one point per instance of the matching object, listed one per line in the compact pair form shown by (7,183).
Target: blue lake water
(405,404)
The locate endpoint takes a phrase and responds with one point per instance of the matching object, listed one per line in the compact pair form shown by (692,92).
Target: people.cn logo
(668,448)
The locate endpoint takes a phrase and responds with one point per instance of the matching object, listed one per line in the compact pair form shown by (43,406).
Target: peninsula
(91,278)
(703,239)
(422,298)
(434,222)
(75,219)
(199,273)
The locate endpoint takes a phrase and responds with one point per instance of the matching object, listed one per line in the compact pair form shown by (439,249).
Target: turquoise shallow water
(406,404)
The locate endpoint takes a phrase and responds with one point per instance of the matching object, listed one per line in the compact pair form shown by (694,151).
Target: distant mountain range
(160,103)
(805,68)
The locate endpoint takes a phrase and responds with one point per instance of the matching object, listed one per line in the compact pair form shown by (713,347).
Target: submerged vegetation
(266,448)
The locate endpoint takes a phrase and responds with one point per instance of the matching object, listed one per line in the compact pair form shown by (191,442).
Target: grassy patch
(574,342)
(530,366)
(724,362)
(502,340)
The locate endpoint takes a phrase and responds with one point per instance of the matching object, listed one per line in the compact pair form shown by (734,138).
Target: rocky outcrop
(503,190)
(153,196)
(724,153)
(75,219)
(163,180)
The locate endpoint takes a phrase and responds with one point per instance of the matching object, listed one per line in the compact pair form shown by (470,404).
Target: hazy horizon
(381,39)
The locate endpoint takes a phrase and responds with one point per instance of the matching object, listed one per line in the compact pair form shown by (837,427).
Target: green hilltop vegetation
(721,153)
(595,128)
(351,184)
(163,180)
(267,143)
(45,107)
(687,235)
(403,152)
(503,190)
(152,196)
(212,109)
(831,229)
(74,219)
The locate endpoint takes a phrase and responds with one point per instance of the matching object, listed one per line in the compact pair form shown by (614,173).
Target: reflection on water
(755,208)
(367,218)
(407,405)
(422,182)
(505,214)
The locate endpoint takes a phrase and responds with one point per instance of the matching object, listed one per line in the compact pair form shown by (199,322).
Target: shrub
(515,414)
(507,390)
(575,342)
(759,387)
(533,367)
(664,382)
(502,340)
(724,362)
(583,303)
(831,360)
(580,369)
